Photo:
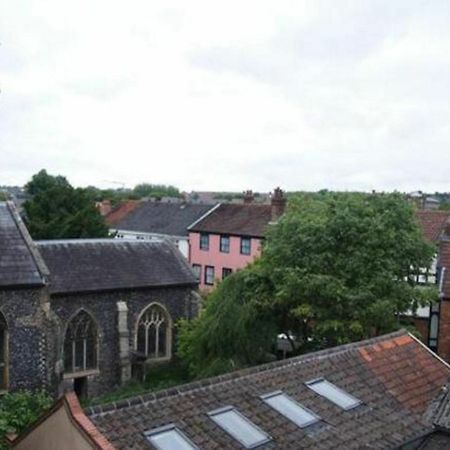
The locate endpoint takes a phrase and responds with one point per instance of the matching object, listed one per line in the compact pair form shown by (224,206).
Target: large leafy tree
(57,210)
(336,268)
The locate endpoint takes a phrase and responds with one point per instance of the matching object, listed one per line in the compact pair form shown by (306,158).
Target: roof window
(290,409)
(333,393)
(169,437)
(239,427)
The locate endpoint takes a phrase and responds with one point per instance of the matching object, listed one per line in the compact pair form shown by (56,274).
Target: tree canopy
(155,190)
(56,210)
(336,268)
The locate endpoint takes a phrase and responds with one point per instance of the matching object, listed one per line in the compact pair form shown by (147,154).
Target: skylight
(290,409)
(333,393)
(239,427)
(169,438)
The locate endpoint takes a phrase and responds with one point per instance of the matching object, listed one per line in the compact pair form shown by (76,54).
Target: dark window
(80,344)
(152,333)
(3,353)
(246,246)
(204,241)
(225,244)
(226,271)
(209,275)
(197,268)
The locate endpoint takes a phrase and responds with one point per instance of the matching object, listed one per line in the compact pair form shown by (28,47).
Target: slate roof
(86,265)
(239,220)
(19,262)
(170,219)
(433,223)
(395,376)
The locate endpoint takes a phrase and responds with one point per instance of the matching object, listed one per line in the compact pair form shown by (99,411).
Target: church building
(86,313)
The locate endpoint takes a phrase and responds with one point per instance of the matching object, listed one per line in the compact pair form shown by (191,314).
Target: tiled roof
(240,220)
(19,262)
(394,376)
(444,265)
(83,265)
(162,218)
(120,211)
(433,223)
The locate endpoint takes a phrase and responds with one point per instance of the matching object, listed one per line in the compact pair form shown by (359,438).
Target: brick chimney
(248,197)
(278,203)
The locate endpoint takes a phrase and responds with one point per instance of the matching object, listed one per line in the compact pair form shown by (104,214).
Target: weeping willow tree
(233,330)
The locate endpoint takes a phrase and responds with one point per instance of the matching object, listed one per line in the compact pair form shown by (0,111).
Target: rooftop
(20,264)
(433,223)
(87,265)
(170,219)
(390,381)
(240,220)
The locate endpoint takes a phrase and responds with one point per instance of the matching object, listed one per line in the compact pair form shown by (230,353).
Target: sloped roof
(120,211)
(240,220)
(394,376)
(171,219)
(19,263)
(444,265)
(433,223)
(85,265)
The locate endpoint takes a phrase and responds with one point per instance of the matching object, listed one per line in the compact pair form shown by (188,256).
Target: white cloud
(227,95)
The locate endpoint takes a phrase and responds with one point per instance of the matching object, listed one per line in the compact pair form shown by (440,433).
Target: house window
(80,344)
(209,275)
(3,353)
(204,241)
(153,333)
(246,246)
(226,272)
(197,268)
(225,244)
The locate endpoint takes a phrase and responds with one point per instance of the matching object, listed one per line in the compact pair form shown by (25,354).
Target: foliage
(160,376)
(57,210)
(3,196)
(155,190)
(336,268)
(232,331)
(18,410)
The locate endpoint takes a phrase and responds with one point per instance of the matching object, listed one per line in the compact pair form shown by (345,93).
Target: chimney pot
(278,204)
(248,197)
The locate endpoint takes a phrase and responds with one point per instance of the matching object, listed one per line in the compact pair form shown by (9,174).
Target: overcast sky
(227,95)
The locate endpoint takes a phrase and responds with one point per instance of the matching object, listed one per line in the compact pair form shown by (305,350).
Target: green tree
(57,210)
(42,181)
(155,190)
(20,409)
(336,268)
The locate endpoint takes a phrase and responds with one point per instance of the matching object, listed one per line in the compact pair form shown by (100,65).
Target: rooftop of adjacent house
(20,265)
(170,219)
(370,394)
(241,220)
(87,265)
(120,211)
(444,265)
(433,223)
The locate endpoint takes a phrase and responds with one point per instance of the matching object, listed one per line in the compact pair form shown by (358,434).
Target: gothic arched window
(80,344)
(3,353)
(154,333)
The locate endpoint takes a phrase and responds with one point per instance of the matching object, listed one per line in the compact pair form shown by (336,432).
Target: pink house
(230,236)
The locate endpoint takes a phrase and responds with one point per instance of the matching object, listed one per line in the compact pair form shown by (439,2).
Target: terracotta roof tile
(433,223)
(120,211)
